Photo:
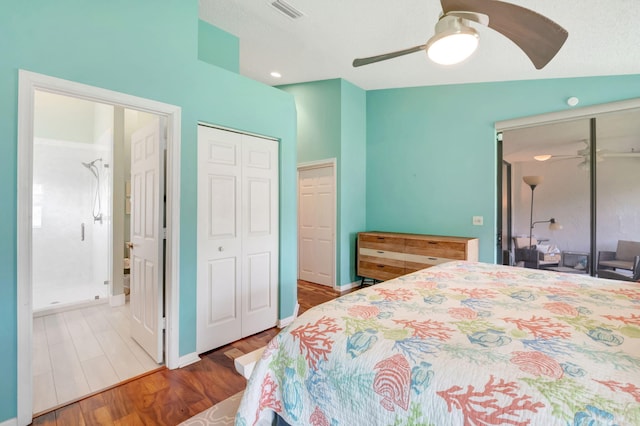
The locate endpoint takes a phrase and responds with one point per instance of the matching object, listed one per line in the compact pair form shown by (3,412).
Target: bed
(461,343)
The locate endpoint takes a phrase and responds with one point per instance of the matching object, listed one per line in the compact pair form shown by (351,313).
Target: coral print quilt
(458,344)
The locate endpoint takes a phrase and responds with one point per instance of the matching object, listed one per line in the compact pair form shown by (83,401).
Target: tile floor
(81,351)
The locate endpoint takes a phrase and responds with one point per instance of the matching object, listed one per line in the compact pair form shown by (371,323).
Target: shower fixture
(97,205)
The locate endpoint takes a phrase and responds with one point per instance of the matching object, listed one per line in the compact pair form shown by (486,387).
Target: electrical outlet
(478,220)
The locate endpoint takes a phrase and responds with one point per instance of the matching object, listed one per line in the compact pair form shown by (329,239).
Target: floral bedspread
(458,344)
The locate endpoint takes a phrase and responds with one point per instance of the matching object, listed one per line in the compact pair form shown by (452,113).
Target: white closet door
(259,234)
(237,283)
(219,246)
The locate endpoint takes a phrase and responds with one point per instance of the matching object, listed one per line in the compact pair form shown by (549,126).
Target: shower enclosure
(71,222)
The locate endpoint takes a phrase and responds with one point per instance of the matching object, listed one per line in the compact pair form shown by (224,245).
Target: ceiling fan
(585,155)
(539,37)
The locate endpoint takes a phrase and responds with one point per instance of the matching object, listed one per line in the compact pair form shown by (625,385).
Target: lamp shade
(554,226)
(453,42)
(533,180)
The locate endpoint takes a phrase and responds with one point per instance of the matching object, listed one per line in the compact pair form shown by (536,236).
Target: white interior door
(237,272)
(219,246)
(147,281)
(316,224)
(259,234)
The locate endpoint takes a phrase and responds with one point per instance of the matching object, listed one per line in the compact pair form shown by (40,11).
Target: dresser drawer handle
(433,258)
(381,266)
(381,238)
(433,242)
(380,251)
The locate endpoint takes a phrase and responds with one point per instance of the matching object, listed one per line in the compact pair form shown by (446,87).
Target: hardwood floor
(168,397)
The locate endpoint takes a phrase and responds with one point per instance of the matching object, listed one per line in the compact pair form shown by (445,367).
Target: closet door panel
(260,234)
(219,264)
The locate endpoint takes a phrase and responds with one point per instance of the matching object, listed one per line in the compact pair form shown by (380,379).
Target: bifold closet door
(237,270)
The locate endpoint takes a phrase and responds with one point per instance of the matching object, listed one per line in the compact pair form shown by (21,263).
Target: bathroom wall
(66,268)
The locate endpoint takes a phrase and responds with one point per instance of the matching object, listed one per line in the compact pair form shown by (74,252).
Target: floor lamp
(534,181)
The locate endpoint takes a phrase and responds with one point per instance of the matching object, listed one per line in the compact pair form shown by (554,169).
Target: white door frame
(329,162)
(29,82)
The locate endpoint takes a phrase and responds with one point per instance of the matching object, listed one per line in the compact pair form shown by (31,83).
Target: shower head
(92,166)
(92,163)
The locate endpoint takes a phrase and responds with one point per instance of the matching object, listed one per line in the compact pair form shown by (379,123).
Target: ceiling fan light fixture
(543,157)
(453,41)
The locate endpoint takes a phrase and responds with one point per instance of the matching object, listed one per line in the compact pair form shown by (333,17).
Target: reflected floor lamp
(534,181)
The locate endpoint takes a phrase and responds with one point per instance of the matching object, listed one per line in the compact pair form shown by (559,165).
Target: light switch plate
(478,220)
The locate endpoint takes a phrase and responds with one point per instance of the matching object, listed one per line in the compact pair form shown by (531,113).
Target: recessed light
(276,74)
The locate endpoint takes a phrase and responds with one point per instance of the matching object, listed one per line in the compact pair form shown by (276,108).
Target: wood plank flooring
(168,397)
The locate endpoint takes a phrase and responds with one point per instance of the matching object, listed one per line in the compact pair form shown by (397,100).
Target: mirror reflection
(570,206)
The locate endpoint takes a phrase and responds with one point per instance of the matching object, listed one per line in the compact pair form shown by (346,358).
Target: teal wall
(353,178)
(318,112)
(332,124)
(217,47)
(147,49)
(431,151)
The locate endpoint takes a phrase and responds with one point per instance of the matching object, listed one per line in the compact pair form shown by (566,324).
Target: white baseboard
(188,359)
(117,300)
(64,307)
(10,422)
(349,286)
(282,323)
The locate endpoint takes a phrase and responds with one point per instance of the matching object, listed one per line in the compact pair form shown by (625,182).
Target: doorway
(84,340)
(317,222)
(30,84)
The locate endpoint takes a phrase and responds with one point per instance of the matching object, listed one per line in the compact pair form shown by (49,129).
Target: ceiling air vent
(287,9)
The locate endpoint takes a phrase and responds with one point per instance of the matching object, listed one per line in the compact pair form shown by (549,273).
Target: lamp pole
(533,187)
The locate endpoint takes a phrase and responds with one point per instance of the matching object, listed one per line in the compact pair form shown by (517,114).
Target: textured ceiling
(603,40)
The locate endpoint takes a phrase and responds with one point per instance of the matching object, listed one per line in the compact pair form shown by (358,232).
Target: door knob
(220,248)
(130,245)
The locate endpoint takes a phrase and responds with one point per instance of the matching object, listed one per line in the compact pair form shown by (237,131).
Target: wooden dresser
(386,255)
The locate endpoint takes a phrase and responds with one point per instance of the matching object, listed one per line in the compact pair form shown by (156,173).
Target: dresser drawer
(381,242)
(450,250)
(379,271)
(415,262)
(381,254)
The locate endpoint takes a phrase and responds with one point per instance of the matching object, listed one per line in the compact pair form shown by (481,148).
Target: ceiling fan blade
(621,154)
(365,61)
(564,157)
(538,36)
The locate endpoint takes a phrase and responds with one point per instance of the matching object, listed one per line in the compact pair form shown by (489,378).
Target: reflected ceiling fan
(538,36)
(585,155)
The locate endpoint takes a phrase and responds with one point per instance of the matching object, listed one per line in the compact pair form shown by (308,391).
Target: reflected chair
(624,263)
(531,257)
(573,262)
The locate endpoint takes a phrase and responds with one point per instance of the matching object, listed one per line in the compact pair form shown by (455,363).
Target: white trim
(188,359)
(317,164)
(28,83)
(117,300)
(307,165)
(349,286)
(572,114)
(282,323)
(241,132)
(64,307)
(10,422)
